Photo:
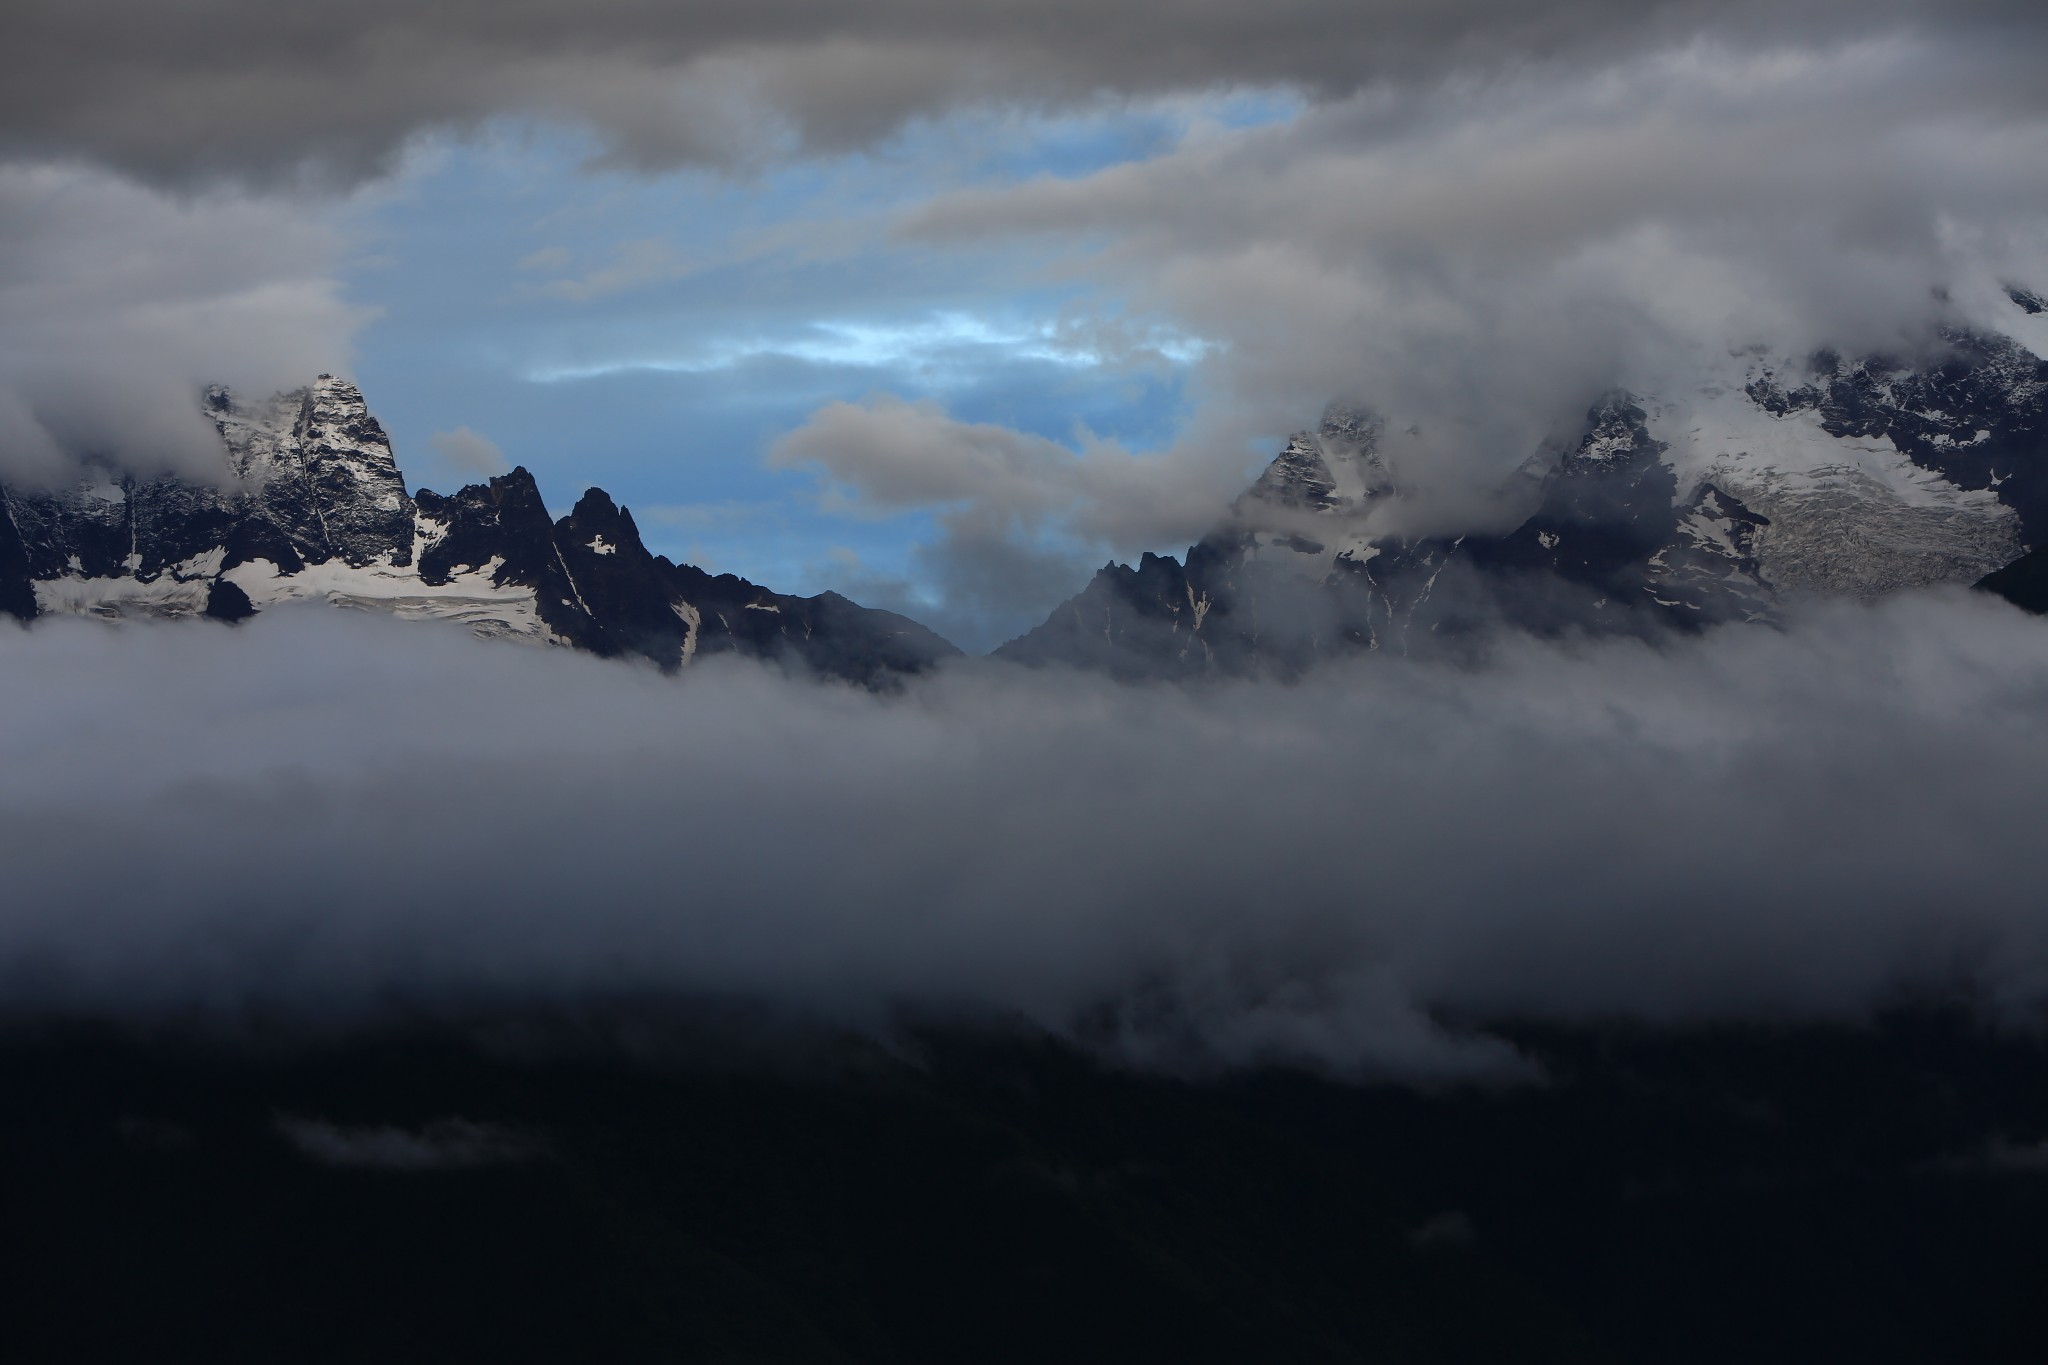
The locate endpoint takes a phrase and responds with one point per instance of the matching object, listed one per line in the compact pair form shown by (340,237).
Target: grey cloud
(323,811)
(1022,519)
(1480,260)
(119,303)
(247,87)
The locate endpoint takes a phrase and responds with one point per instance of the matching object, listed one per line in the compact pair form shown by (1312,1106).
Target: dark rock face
(2024,582)
(226,602)
(90,525)
(596,585)
(310,503)
(1612,548)
(1585,554)
(17,590)
(501,525)
(827,634)
(616,598)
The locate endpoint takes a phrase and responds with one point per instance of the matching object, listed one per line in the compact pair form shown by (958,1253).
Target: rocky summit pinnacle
(309,504)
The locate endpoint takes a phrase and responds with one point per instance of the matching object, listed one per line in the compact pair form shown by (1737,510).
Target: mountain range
(1765,480)
(308,503)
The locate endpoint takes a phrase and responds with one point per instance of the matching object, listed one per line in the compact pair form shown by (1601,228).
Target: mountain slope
(309,504)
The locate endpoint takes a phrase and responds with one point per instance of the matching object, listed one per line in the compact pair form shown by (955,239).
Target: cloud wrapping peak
(324,811)
(1535,240)
(1479,260)
(118,304)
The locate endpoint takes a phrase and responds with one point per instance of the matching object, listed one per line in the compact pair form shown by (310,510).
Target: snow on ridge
(472,598)
(1847,514)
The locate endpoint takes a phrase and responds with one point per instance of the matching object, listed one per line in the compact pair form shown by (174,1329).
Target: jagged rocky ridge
(310,504)
(1769,482)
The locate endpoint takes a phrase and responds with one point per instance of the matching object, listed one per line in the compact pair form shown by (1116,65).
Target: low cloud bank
(321,811)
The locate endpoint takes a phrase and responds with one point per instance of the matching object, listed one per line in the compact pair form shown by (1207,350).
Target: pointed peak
(517,485)
(1297,477)
(333,388)
(595,502)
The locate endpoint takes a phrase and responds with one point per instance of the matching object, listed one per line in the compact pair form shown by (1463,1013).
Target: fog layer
(324,812)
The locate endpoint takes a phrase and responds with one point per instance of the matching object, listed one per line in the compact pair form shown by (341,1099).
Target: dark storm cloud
(257,87)
(325,811)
